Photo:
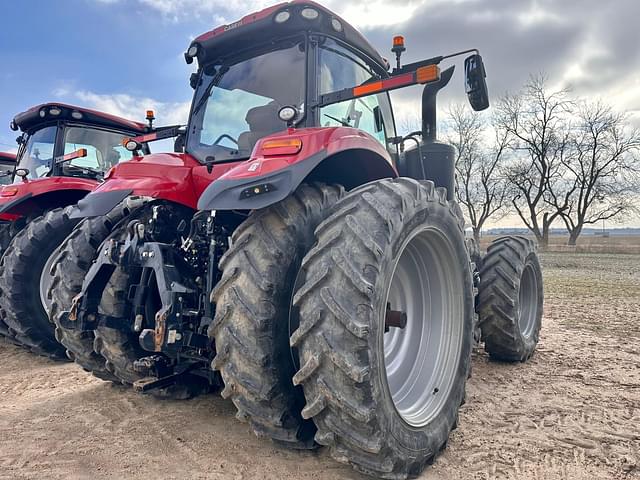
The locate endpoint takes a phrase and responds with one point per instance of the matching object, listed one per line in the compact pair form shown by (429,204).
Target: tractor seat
(262,121)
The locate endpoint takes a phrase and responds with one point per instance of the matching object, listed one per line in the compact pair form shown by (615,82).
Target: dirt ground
(572,412)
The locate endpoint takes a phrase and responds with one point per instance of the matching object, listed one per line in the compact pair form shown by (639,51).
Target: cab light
(192,51)
(282,16)
(286,146)
(42,113)
(55,111)
(9,192)
(77,115)
(335,23)
(427,74)
(309,13)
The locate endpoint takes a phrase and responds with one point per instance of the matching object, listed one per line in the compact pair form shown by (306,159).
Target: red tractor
(303,249)
(64,152)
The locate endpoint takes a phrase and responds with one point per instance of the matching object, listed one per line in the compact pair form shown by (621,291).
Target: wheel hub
(422,358)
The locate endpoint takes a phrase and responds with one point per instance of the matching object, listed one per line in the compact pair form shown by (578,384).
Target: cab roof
(41,114)
(7,157)
(242,34)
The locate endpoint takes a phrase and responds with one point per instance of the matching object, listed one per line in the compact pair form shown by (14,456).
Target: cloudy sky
(124,56)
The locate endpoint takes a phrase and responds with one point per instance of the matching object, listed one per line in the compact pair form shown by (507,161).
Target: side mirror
(475,82)
(194,80)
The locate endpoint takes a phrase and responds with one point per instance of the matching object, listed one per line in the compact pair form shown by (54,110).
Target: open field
(629,244)
(573,412)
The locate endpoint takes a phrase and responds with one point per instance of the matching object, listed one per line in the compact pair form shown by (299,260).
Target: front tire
(25,279)
(251,325)
(511,299)
(386,402)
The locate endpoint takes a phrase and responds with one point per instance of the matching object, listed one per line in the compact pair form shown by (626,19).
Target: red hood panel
(177,177)
(45,185)
(314,140)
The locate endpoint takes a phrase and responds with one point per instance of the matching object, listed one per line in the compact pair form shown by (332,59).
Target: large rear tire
(8,230)
(386,402)
(25,278)
(251,325)
(511,299)
(72,261)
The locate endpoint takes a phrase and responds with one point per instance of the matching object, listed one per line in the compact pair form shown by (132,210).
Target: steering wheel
(223,136)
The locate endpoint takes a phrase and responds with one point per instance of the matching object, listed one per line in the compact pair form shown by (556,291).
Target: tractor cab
(67,141)
(246,90)
(297,81)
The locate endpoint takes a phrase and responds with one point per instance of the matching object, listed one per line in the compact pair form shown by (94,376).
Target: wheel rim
(46,279)
(527,301)
(422,359)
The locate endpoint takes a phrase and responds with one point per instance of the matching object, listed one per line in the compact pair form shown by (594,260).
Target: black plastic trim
(226,194)
(99,203)
(15,202)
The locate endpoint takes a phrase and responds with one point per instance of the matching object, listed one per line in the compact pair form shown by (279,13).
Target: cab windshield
(103,150)
(37,155)
(238,104)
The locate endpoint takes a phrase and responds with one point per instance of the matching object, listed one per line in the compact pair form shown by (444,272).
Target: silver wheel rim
(422,359)
(46,279)
(527,301)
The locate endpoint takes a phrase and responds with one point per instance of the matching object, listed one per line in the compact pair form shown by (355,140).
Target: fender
(175,177)
(22,198)
(347,155)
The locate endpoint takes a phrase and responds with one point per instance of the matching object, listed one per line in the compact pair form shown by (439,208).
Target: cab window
(339,68)
(104,150)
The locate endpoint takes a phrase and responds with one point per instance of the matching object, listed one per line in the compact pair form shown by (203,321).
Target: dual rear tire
(251,327)
(510,299)
(386,402)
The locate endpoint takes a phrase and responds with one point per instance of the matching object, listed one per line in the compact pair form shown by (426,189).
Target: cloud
(361,13)
(129,106)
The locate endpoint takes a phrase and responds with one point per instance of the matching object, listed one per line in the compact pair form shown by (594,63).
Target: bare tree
(536,120)
(599,178)
(480,184)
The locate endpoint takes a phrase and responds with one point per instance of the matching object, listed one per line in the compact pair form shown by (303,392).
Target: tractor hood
(175,177)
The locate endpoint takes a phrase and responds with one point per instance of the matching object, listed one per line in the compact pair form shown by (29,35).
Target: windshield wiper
(207,93)
(342,122)
(97,173)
